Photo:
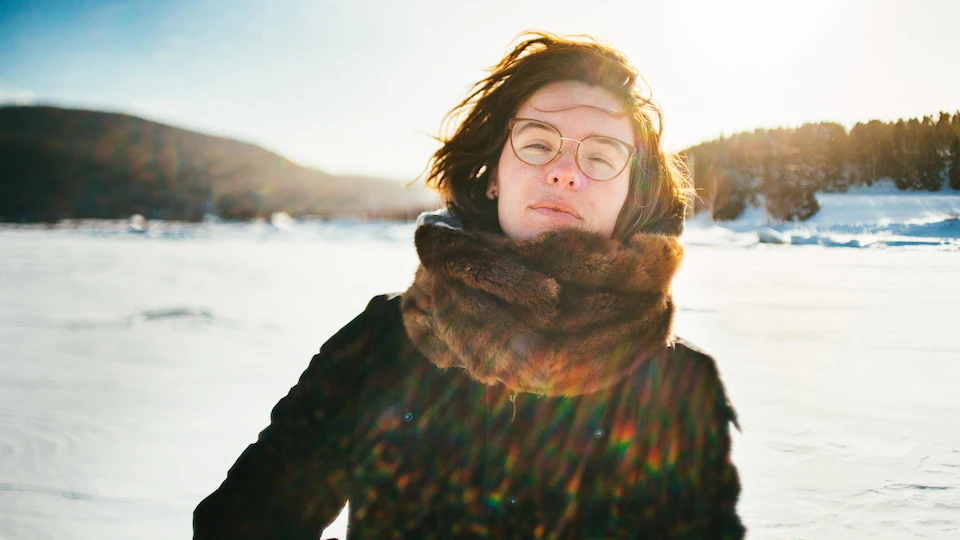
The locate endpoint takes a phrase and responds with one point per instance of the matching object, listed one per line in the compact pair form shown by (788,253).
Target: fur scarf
(568,312)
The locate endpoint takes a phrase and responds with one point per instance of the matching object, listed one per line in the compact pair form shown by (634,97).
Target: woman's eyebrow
(537,124)
(610,141)
(541,125)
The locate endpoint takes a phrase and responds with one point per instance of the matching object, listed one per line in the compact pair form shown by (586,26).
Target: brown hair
(460,170)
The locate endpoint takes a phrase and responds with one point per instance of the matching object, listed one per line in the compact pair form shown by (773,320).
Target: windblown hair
(460,170)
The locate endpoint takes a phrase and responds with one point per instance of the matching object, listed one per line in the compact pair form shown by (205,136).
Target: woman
(528,384)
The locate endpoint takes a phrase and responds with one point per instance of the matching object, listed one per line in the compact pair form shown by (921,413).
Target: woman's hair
(460,170)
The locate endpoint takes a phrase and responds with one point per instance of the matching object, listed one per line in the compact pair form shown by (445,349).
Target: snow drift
(879,216)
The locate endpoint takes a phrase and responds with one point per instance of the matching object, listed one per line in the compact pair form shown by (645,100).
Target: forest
(781,169)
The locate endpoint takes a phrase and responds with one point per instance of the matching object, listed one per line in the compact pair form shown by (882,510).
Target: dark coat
(422,452)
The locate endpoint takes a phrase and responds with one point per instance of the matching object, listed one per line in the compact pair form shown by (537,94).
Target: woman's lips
(556,210)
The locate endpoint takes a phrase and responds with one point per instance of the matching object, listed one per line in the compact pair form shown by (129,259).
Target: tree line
(783,168)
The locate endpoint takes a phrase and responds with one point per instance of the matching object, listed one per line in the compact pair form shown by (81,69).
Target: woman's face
(536,198)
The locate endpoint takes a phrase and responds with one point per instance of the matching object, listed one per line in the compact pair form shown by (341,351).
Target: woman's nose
(564,170)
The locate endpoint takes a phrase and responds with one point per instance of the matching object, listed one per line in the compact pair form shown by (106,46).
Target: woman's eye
(538,146)
(601,160)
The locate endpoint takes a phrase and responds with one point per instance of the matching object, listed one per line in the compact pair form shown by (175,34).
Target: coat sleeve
(706,419)
(294,480)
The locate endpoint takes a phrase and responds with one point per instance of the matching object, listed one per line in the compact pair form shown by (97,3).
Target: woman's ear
(492,188)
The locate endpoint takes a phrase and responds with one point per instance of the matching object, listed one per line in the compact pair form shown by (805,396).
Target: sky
(361,87)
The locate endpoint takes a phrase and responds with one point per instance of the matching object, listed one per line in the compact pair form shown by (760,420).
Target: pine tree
(900,157)
(944,132)
(954,173)
(929,160)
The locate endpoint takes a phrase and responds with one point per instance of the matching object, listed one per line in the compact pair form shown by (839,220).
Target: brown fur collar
(567,313)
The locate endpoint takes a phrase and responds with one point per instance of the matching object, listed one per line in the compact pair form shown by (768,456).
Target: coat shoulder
(693,361)
(383,305)
(691,353)
(354,337)
(383,312)
(380,309)
(390,352)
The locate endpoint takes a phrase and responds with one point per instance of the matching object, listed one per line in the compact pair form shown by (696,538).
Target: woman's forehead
(573,106)
(564,95)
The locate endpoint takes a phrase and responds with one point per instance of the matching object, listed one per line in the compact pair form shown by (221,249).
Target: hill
(61,163)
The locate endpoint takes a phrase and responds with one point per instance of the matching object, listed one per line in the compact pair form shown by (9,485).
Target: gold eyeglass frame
(576,156)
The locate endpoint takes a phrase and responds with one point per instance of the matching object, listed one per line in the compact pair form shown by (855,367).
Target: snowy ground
(879,216)
(135,369)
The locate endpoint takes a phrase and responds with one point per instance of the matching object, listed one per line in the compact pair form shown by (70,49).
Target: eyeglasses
(538,143)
